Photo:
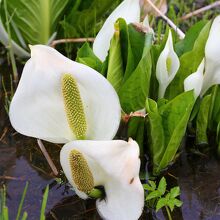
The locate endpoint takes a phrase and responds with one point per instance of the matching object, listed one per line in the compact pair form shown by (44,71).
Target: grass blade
(21,202)
(44,203)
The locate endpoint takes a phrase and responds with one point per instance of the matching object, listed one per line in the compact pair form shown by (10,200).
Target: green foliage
(202,120)
(34,22)
(83,19)
(136,131)
(167,124)
(86,56)
(159,197)
(135,88)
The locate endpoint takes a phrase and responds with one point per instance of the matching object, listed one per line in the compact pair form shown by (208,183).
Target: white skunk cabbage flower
(128,10)
(114,165)
(212,57)
(195,80)
(59,100)
(167,66)
(208,73)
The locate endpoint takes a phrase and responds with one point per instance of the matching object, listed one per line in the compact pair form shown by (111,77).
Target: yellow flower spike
(74,106)
(81,173)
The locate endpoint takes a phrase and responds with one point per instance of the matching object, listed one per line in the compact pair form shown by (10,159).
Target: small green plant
(159,197)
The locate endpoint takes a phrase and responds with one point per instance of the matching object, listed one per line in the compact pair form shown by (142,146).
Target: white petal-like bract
(114,165)
(195,81)
(212,57)
(37,108)
(128,10)
(167,66)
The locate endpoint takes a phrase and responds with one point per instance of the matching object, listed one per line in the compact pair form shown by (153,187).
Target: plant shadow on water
(21,161)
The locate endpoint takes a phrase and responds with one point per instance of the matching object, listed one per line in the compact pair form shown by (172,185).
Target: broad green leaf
(86,56)
(162,186)
(202,120)
(115,62)
(187,43)
(161,203)
(136,131)
(189,63)
(166,128)
(214,113)
(134,91)
(155,132)
(36,20)
(136,44)
(174,192)
(175,115)
(152,195)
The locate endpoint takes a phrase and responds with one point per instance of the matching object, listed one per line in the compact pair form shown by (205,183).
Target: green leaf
(214,113)
(152,195)
(136,131)
(155,132)
(162,186)
(86,56)
(189,63)
(177,202)
(187,43)
(136,44)
(170,204)
(148,187)
(115,63)
(36,20)
(161,203)
(202,120)
(166,128)
(174,192)
(152,184)
(175,115)
(134,91)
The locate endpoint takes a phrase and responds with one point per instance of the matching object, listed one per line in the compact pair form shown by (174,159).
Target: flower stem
(168,213)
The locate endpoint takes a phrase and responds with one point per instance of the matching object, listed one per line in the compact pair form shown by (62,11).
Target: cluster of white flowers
(62,101)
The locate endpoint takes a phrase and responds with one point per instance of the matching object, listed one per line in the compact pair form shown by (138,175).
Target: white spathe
(212,57)
(167,66)
(129,10)
(114,165)
(37,108)
(195,81)
(208,72)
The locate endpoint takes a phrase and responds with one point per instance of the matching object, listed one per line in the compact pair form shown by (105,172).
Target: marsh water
(22,161)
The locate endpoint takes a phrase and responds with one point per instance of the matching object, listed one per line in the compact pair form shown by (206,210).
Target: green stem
(168,213)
